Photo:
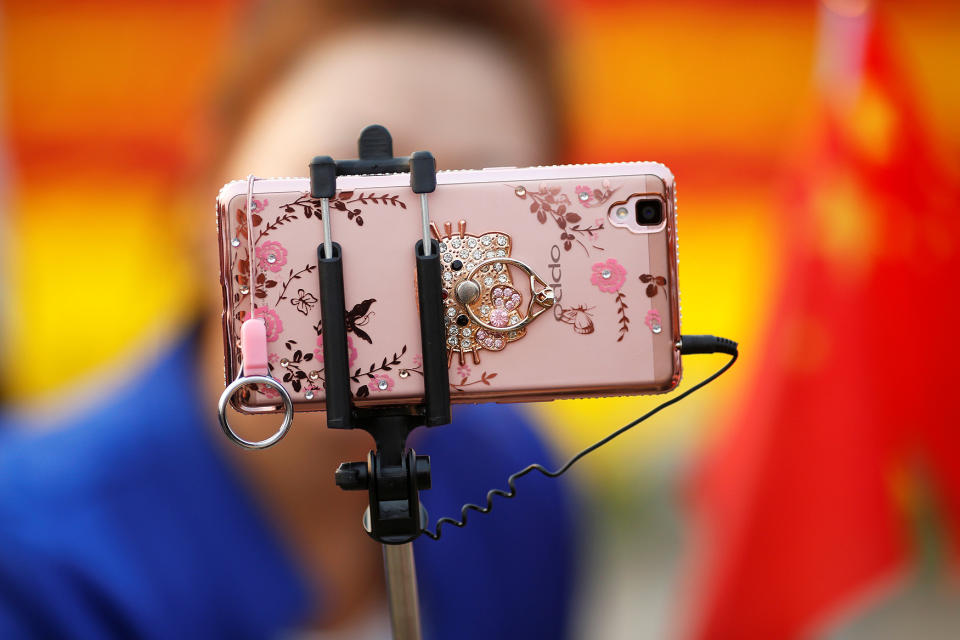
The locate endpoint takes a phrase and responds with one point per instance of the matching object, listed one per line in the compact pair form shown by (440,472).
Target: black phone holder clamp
(393,474)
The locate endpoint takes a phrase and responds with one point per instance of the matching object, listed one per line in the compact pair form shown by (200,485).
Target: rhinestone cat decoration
(483,308)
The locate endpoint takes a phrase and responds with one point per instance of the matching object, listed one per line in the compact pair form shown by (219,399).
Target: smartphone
(559,282)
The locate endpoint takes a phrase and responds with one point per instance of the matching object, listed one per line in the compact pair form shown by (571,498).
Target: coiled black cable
(688,345)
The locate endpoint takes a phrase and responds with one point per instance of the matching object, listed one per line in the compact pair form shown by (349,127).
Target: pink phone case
(613,327)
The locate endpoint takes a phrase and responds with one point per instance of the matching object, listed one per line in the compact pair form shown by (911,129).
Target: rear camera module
(649,212)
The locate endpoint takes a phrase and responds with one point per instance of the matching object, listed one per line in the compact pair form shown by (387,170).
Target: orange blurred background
(103,105)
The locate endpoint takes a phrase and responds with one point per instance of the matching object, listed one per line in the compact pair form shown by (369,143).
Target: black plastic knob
(352,476)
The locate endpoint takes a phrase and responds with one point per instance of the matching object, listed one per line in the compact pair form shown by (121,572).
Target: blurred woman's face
(456,94)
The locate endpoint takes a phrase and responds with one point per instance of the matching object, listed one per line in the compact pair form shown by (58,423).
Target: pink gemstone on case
(498,344)
(499,318)
(504,299)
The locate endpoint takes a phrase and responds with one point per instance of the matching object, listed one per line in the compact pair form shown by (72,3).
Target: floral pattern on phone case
(597,276)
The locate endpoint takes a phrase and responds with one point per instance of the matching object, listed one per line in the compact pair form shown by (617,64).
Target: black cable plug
(707,344)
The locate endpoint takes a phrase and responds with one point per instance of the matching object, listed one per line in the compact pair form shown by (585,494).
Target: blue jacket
(125,522)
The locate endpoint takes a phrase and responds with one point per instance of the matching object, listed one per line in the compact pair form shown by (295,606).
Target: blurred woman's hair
(274,33)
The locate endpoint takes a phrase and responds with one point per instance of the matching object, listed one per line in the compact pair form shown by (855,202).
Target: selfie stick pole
(401,575)
(393,474)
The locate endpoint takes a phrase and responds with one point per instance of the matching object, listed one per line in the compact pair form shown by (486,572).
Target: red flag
(800,517)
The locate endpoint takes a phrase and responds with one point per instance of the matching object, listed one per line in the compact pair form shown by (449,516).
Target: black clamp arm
(393,474)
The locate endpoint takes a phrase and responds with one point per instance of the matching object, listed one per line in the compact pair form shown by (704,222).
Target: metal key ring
(243,381)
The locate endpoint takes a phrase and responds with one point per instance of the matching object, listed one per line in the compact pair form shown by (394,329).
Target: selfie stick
(392,474)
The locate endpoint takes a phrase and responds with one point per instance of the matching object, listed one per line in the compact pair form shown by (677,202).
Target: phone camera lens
(649,212)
